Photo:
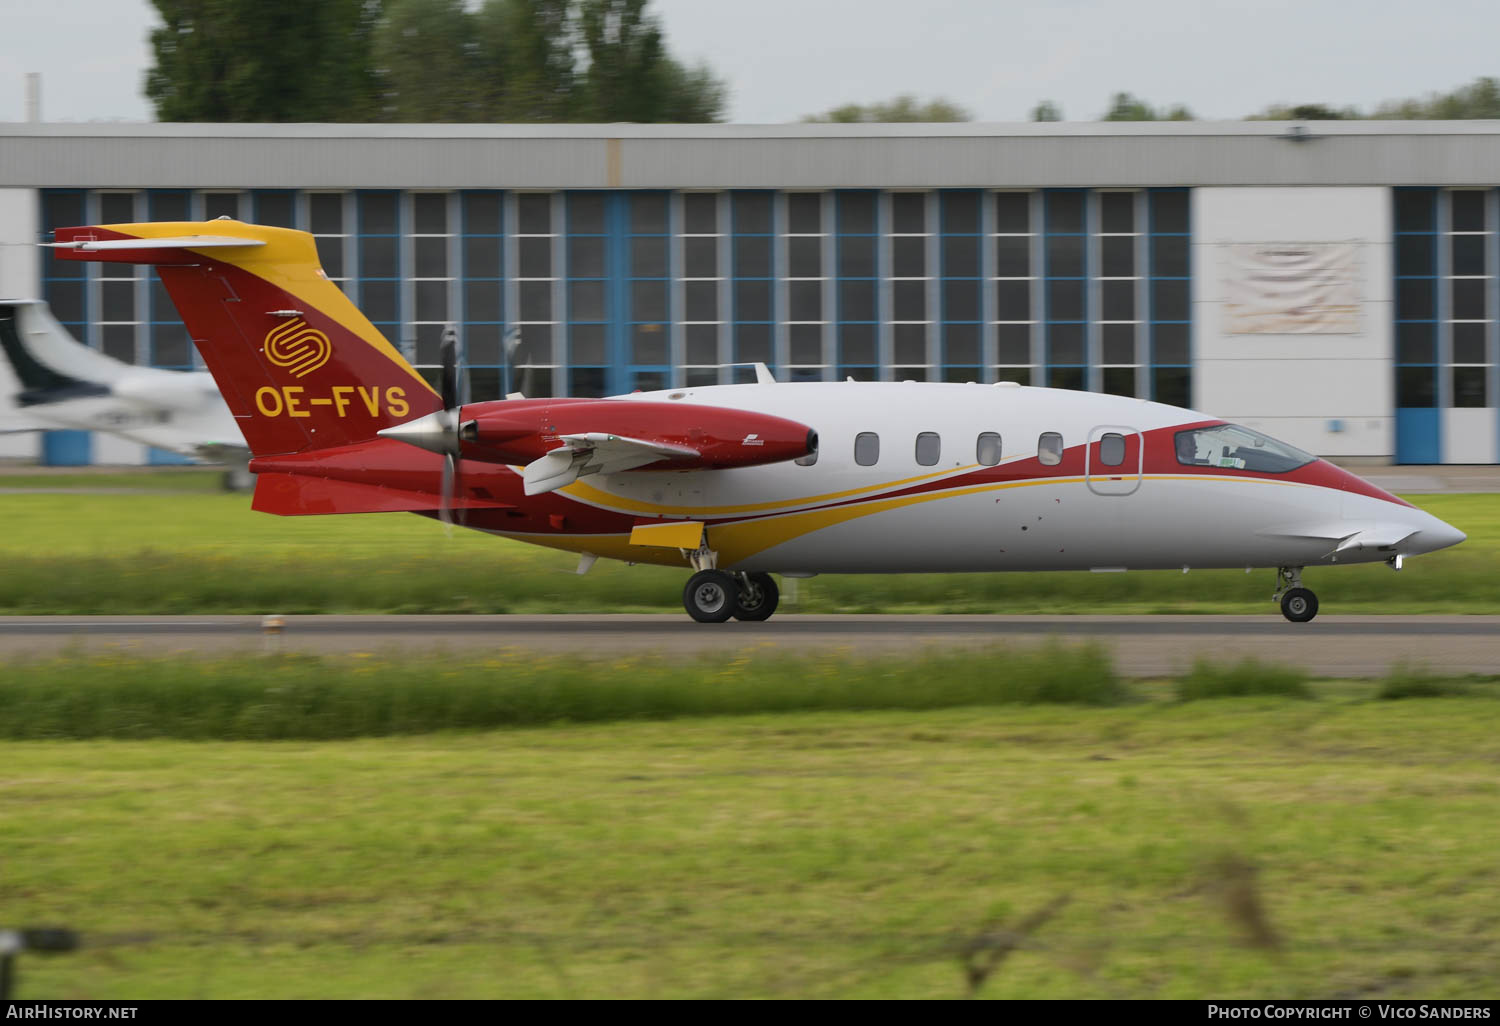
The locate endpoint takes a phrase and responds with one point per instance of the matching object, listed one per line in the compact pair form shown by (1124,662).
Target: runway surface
(1353,646)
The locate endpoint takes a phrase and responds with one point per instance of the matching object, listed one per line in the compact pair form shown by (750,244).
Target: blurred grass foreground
(645,835)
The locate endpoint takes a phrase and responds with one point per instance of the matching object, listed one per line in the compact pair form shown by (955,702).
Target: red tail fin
(300,367)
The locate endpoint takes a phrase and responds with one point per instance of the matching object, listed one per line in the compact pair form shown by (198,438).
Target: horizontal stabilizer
(596,452)
(291,495)
(179,242)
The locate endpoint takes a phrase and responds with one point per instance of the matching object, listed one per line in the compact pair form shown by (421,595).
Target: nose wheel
(1298,604)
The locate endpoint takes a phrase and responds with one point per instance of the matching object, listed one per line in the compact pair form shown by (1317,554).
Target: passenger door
(1113,460)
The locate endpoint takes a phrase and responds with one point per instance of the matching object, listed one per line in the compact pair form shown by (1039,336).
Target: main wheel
(1299,605)
(711,596)
(757,600)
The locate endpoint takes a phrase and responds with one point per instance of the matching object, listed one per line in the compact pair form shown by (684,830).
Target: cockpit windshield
(1232,447)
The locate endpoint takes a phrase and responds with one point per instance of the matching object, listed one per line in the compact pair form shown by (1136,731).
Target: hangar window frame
(376,238)
(483,308)
(1011,342)
(910,262)
(960,284)
(753,281)
(162,334)
(858,330)
(700,340)
(117,302)
(1171,337)
(587,301)
(804,245)
(1118,286)
(1467,304)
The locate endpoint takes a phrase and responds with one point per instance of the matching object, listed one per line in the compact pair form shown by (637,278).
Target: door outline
(1114,484)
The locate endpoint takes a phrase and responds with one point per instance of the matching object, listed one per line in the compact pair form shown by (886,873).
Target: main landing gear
(1298,604)
(713,596)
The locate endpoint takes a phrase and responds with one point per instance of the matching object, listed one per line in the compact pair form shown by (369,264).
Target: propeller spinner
(438,432)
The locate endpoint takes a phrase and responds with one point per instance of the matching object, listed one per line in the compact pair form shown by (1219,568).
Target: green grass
(318,698)
(1416,682)
(1250,677)
(1238,848)
(184,479)
(142,554)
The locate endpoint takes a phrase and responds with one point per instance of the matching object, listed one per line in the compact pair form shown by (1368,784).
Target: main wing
(560,440)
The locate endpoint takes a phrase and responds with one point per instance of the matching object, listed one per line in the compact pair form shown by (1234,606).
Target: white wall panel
(1469,436)
(116,451)
(19,255)
(1329,394)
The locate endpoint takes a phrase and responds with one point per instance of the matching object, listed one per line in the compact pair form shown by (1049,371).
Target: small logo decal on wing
(297,347)
(753,439)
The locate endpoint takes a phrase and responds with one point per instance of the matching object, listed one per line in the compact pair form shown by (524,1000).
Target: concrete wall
(1330,394)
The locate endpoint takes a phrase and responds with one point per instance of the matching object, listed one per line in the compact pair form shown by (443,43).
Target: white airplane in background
(742,481)
(65,384)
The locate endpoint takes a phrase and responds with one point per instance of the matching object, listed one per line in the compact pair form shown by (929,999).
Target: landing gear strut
(713,595)
(1298,604)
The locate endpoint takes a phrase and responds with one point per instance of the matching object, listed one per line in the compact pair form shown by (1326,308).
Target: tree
(1305,112)
(1478,99)
(429,62)
(422,60)
(625,76)
(904,108)
(526,48)
(1127,107)
(1047,110)
(631,76)
(263,60)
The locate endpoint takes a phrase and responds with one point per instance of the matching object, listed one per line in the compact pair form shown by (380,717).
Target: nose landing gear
(1298,604)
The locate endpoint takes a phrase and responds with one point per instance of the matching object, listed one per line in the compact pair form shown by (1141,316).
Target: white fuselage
(897,515)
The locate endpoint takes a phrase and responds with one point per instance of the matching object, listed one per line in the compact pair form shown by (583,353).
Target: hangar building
(1331,283)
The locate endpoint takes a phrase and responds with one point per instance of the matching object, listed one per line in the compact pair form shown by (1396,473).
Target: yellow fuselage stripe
(737,541)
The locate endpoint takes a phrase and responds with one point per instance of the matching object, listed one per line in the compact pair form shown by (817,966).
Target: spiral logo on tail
(297,347)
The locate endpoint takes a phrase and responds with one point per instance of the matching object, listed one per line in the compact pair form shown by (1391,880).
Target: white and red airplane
(742,481)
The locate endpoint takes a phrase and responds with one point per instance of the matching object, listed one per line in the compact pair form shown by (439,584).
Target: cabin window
(1231,447)
(929,447)
(987,449)
(1049,449)
(866,448)
(1112,449)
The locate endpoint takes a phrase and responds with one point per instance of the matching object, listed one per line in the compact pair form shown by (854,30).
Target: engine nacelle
(520,431)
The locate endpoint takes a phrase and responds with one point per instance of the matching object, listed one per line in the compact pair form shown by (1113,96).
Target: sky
(787,58)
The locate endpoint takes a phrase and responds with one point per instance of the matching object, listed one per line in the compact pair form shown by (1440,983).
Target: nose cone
(1435,534)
